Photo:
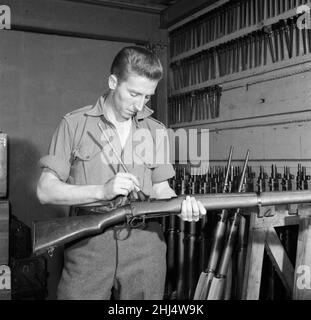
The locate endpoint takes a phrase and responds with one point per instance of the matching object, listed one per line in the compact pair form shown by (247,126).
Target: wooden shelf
(198,14)
(243,119)
(256,121)
(260,73)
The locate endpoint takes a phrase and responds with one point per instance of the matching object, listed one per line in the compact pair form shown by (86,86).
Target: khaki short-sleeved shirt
(80,154)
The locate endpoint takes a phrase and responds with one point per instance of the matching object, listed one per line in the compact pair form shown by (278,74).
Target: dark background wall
(43,77)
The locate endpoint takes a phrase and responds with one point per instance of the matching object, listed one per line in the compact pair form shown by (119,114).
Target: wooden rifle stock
(48,234)
(55,232)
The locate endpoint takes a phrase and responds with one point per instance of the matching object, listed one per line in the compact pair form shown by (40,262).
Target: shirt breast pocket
(85,165)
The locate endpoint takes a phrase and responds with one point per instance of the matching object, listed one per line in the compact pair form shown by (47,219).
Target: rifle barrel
(224,201)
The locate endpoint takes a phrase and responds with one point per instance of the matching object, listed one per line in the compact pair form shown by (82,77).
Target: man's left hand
(191,209)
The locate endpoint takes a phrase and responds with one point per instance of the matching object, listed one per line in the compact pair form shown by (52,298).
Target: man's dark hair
(137,60)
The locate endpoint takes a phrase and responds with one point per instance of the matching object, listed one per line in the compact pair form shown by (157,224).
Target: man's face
(130,95)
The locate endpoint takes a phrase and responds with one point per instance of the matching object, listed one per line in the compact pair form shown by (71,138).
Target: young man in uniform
(80,169)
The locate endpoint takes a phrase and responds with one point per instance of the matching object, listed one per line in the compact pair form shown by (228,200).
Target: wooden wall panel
(4,232)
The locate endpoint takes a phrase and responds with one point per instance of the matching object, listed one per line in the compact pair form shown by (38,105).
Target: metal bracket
(268,211)
(292,209)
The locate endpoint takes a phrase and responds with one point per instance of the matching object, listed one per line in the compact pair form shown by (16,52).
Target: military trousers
(121,264)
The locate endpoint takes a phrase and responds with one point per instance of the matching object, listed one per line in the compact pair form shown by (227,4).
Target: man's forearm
(54,191)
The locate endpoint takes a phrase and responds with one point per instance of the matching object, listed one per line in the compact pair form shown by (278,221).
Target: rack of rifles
(189,243)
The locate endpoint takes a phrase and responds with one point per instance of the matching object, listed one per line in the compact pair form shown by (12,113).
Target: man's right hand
(121,184)
(51,190)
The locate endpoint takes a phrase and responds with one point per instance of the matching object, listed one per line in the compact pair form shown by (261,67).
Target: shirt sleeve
(58,159)
(163,169)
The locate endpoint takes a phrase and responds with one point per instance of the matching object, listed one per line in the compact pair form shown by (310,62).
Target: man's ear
(112,82)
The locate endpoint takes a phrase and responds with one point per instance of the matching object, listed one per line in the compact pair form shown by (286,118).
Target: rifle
(171,276)
(192,246)
(203,243)
(180,234)
(48,234)
(218,282)
(191,250)
(206,277)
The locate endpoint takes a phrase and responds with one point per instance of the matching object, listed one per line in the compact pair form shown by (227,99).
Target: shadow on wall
(24,173)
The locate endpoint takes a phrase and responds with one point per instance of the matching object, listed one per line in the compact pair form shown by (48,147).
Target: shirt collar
(98,110)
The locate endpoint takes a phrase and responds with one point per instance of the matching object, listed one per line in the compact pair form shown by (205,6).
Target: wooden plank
(254,261)
(4,232)
(280,219)
(151,6)
(248,77)
(302,282)
(103,25)
(280,260)
(3,165)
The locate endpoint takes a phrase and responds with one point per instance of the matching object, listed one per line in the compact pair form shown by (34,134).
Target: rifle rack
(263,236)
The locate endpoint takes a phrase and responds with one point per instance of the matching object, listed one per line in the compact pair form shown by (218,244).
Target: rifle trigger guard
(51,251)
(136,222)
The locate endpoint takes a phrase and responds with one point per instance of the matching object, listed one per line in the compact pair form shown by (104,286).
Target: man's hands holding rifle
(191,209)
(125,183)
(122,183)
